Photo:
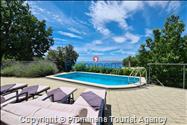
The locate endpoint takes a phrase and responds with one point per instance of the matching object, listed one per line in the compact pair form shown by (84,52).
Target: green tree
(130,61)
(23,36)
(64,57)
(167,45)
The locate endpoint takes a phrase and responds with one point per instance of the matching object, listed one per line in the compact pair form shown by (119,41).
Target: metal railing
(182,65)
(136,71)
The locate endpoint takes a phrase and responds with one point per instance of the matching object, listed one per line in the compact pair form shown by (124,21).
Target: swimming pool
(100,80)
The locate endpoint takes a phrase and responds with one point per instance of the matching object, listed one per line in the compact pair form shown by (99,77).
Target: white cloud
(54,15)
(173,6)
(169,6)
(59,39)
(132,37)
(161,4)
(74,30)
(97,53)
(102,13)
(97,46)
(148,32)
(69,34)
(44,13)
(97,42)
(127,37)
(104,49)
(119,39)
(122,51)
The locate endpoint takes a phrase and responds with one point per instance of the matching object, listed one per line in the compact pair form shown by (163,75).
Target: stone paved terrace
(147,101)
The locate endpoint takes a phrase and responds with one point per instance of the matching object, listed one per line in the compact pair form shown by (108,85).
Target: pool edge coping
(138,84)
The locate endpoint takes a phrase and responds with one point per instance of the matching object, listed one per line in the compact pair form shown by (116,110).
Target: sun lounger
(84,106)
(31,91)
(56,106)
(95,104)
(62,94)
(24,94)
(5,101)
(9,88)
(37,108)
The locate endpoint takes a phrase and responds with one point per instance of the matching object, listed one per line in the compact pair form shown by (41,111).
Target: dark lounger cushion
(93,100)
(2,99)
(58,94)
(5,88)
(30,90)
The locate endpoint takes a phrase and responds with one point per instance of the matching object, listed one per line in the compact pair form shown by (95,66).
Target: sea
(107,64)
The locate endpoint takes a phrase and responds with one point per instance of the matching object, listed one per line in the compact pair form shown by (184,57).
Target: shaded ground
(148,101)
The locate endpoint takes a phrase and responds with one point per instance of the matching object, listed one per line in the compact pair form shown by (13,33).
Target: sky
(110,30)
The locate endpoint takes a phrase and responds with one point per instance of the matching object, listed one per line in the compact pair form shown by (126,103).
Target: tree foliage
(23,36)
(64,57)
(130,61)
(168,45)
(100,69)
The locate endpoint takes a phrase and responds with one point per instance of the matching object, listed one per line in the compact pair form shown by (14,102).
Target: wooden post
(184,75)
(149,79)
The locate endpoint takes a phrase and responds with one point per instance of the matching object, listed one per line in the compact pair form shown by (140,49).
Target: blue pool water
(100,79)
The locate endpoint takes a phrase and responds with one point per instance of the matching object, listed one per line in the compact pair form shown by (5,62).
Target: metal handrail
(135,71)
(132,72)
(177,64)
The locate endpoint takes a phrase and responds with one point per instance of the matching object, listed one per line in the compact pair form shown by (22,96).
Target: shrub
(99,69)
(114,71)
(127,71)
(93,69)
(12,69)
(32,69)
(107,70)
(79,67)
(6,62)
(64,57)
(102,70)
(41,68)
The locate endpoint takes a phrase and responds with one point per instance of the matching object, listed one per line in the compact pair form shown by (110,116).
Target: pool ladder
(136,71)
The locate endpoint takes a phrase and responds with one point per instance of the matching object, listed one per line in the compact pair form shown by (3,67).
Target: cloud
(161,4)
(97,53)
(54,15)
(122,51)
(100,48)
(148,32)
(74,30)
(97,42)
(131,37)
(69,34)
(96,46)
(59,39)
(127,37)
(169,6)
(119,39)
(102,12)
(173,6)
